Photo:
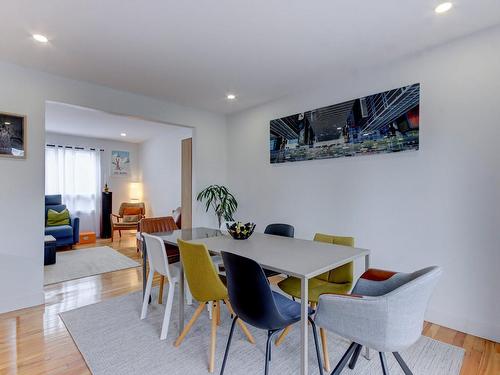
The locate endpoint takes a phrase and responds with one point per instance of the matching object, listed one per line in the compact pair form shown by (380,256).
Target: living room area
(104,173)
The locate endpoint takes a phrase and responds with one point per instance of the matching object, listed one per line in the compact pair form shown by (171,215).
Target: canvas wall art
(120,163)
(12,135)
(381,123)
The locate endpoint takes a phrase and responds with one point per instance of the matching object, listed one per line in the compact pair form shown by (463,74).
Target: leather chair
(156,225)
(207,288)
(119,222)
(65,235)
(385,312)
(255,303)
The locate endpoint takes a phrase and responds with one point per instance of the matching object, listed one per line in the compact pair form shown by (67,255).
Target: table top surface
(187,234)
(293,256)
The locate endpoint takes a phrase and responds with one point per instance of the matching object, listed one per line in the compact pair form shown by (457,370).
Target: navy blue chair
(65,235)
(283,230)
(256,304)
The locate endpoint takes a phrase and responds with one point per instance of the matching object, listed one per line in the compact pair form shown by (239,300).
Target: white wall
(25,91)
(439,205)
(160,167)
(120,186)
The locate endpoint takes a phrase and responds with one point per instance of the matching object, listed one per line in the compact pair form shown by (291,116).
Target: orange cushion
(132,211)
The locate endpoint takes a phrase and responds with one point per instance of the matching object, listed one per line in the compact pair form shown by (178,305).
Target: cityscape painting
(381,123)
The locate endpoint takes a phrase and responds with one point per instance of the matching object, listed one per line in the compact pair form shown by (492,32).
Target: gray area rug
(113,340)
(75,264)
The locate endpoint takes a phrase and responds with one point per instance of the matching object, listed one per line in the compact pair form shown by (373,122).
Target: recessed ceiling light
(230,96)
(443,7)
(40,38)
(123,134)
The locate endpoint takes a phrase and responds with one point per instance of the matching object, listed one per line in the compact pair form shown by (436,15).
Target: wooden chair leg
(213,336)
(218,313)
(283,335)
(160,294)
(190,324)
(324,345)
(240,323)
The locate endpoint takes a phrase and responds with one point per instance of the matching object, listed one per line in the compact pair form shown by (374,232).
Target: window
(76,175)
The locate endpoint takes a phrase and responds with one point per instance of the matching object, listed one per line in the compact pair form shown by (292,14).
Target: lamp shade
(136,191)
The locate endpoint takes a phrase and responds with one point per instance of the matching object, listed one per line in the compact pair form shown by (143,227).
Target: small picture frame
(120,163)
(12,135)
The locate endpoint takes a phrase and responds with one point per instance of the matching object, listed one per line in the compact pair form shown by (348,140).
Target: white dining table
(303,259)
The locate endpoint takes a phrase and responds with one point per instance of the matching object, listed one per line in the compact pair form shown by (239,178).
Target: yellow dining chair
(206,287)
(338,281)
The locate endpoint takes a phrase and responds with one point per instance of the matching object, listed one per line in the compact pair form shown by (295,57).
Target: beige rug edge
(81,263)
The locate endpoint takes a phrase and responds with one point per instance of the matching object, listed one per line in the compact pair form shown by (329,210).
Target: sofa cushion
(56,218)
(60,231)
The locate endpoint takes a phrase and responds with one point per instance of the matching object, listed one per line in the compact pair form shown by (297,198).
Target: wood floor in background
(35,341)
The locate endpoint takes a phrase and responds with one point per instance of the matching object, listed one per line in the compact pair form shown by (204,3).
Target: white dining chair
(158,262)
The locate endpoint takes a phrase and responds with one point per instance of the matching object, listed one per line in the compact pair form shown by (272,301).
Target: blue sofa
(65,235)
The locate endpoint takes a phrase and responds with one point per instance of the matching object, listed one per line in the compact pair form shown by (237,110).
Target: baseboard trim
(489,331)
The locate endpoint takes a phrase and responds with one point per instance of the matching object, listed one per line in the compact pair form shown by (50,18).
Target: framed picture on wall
(381,123)
(12,135)
(120,163)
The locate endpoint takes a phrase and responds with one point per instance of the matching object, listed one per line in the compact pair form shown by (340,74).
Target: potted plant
(221,200)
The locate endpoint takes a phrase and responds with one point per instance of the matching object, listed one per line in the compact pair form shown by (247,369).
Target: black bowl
(240,231)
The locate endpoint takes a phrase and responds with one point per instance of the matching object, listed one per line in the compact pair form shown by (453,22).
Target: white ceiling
(194,52)
(86,122)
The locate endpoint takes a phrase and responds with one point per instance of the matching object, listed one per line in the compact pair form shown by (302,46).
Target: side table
(50,250)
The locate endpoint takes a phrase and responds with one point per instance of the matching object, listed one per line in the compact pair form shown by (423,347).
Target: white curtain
(76,175)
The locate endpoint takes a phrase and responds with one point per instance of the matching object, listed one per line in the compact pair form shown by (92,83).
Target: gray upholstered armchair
(385,312)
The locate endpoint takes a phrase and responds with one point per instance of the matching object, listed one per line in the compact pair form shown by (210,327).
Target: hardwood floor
(35,341)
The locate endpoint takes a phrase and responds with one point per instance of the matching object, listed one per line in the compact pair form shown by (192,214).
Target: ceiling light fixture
(7,123)
(230,96)
(123,134)
(40,38)
(443,7)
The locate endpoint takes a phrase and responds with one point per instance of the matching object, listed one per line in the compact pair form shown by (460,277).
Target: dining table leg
(304,314)
(181,298)
(367,266)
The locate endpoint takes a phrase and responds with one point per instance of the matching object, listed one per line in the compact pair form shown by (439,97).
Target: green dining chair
(207,288)
(337,281)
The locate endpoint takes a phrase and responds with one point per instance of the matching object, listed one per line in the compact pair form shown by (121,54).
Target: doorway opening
(104,172)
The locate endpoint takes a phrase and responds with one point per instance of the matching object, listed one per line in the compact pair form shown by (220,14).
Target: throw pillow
(55,218)
(130,218)
(131,211)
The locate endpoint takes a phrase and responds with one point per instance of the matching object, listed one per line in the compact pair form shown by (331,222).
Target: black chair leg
(355,356)
(383,361)
(268,351)
(318,353)
(343,361)
(228,345)
(402,363)
(270,347)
